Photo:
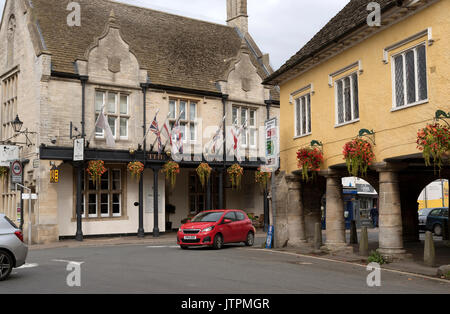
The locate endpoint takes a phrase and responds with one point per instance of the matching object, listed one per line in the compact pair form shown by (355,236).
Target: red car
(215,228)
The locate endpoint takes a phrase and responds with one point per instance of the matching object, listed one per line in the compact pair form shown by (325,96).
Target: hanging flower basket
(359,156)
(434,142)
(235,173)
(3,172)
(136,169)
(262,178)
(204,172)
(171,169)
(96,169)
(309,161)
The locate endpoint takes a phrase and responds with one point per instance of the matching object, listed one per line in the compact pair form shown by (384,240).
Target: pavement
(412,263)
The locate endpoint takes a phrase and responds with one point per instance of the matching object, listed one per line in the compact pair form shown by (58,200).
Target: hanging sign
(54,175)
(272,145)
(8,153)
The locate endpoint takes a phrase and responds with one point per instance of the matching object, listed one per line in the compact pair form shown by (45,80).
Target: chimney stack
(237,15)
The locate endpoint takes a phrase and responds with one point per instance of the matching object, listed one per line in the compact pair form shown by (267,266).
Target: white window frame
(187,122)
(416,78)
(352,99)
(117,115)
(302,132)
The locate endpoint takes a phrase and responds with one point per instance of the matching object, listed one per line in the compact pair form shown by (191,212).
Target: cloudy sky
(279,27)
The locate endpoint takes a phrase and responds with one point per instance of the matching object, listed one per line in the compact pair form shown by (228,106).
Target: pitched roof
(352,17)
(176,51)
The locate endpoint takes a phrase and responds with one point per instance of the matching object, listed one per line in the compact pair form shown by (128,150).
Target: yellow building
(390,79)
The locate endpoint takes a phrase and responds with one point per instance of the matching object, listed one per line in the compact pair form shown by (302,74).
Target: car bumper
(20,253)
(201,239)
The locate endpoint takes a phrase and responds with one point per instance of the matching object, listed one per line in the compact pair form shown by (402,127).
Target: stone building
(60,64)
(355,79)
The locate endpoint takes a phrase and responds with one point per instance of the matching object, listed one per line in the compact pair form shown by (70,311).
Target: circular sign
(16,168)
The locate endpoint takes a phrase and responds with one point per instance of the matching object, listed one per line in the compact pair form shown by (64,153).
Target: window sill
(301,136)
(346,123)
(418,103)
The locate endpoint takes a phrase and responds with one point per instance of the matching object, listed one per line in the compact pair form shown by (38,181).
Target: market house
(130,62)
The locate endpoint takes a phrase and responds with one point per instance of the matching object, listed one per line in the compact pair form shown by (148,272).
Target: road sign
(27,196)
(269,237)
(16,173)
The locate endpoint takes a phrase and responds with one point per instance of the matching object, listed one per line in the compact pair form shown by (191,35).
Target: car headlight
(180,230)
(208,229)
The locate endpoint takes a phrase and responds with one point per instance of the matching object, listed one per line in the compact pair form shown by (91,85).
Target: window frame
(187,122)
(403,53)
(117,115)
(352,99)
(297,101)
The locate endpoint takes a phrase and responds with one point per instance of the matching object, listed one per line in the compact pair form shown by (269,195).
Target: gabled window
(409,71)
(303,115)
(347,103)
(116,108)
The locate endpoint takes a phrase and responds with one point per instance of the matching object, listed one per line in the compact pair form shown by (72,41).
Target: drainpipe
(141,231)
(221,172)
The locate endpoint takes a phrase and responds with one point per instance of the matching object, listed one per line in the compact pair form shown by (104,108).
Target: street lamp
(17,124)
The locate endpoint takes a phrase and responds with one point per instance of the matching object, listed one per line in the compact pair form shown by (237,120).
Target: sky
(279,27)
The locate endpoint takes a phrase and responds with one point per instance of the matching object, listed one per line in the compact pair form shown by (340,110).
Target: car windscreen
(208,217)
(11,223)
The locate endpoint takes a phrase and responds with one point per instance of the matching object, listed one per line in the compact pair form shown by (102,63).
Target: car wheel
(250,239)
(437,230)
(218,242)
(6,265)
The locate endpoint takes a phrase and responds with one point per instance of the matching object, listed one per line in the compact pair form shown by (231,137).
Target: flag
(177,139)
(102,123)
(154,128)
(167,134)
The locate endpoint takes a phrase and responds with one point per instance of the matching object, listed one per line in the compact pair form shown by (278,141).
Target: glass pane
(252,118)
(252,137)
(112,125)
(123,127)
(340,92)
(92,204)
(303,115)
(99,97)
(116,180)
(399,85)
(104,204)
(422,72)
(112,100)
(355,96)
(348,100)
(193,111)
(243,116)
(98,131)
(182,110)
(91,185)
(104,182)
(172,109)
(308,98)
(123,104)
(183,127)
(410,77)
(235,115)
(193,132)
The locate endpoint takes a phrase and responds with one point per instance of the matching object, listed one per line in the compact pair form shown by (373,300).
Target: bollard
(353,233)
(364,242)
(429,252)
(318,236)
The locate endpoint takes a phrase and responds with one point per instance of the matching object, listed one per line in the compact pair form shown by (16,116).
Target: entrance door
(197,194)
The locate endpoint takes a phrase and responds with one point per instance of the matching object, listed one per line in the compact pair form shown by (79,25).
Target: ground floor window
(106,198)
(197,194)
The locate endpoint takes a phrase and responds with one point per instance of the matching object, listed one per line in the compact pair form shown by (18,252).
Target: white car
(13,252)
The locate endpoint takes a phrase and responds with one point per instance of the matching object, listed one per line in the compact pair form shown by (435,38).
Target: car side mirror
(227,221)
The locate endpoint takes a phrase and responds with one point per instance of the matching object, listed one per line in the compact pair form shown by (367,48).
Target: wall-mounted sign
(8,153)
(272,145)
(78,149)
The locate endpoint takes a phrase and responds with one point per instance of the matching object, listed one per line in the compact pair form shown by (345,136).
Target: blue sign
(269,238)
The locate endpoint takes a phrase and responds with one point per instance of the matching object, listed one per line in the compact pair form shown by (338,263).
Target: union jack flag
(154,128)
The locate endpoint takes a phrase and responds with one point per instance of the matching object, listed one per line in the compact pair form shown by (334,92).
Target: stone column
(295,211)
(335,221)
(390,212)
